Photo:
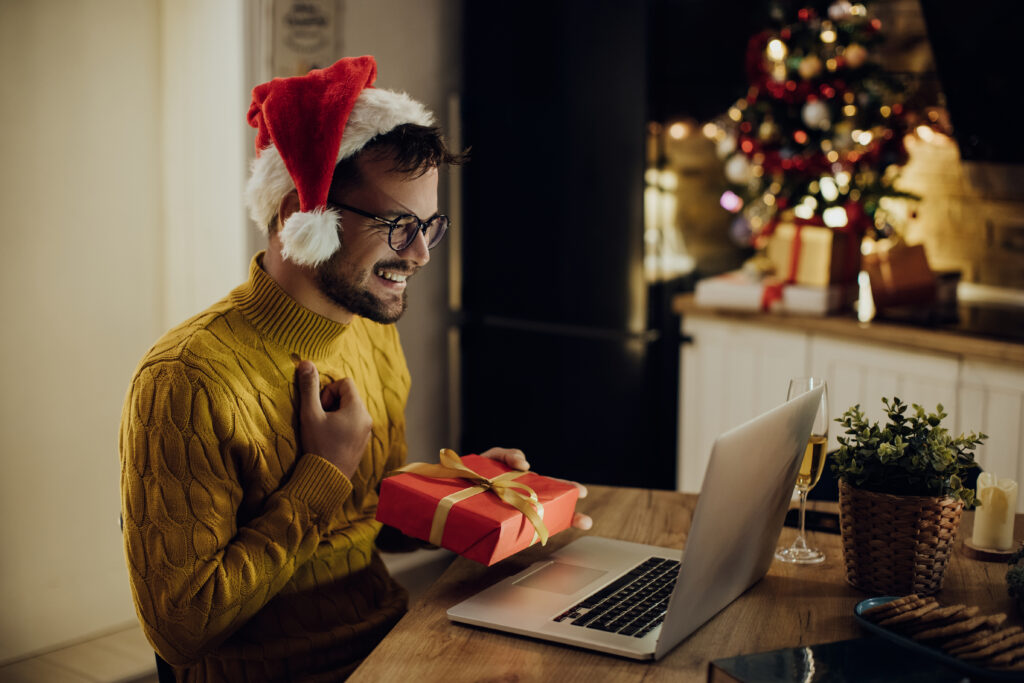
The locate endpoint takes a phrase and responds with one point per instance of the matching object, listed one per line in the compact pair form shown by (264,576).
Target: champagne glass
(810,469)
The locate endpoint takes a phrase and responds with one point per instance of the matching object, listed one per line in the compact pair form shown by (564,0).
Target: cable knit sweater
(250,560)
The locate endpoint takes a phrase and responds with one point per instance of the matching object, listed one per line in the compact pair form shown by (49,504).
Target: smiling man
(255,435)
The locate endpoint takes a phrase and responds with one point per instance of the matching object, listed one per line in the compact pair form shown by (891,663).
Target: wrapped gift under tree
(900,276)
(814,255)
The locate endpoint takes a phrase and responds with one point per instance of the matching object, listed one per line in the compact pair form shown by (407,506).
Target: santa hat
(305,126)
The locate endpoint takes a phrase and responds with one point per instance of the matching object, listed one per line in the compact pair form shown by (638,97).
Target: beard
(351,290)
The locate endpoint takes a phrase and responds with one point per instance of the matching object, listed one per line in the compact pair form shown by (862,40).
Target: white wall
(205,141)
(113,229)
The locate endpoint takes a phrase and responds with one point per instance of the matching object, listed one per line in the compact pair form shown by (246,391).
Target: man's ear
(289,205)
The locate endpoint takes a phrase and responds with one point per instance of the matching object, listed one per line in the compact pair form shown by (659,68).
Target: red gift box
(479,525)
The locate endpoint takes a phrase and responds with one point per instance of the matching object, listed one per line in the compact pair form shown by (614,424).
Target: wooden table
(791,606)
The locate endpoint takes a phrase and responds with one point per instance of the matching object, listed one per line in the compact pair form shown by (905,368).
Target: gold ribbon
(518,495)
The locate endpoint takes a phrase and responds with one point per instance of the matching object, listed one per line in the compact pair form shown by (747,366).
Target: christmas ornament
(816,115)
(740,231)
(810,67)
(855,55)
(737,169)
(725,146)
(840,10)
(768,130)
(842,135)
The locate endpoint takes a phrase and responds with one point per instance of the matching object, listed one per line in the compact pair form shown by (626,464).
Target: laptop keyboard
(631,605)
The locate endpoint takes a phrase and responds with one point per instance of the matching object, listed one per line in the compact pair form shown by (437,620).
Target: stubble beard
(352,293)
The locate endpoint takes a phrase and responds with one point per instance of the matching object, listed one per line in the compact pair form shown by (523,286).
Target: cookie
(995,620)
(910,614)
(873,612)
(902,608)
(971,611)
(1006,658)
(940,613)
(940,617)
(955,628)
(980,639)
(972,641)
(1012,642)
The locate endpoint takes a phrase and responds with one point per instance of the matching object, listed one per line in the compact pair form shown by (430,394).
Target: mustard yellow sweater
(250,560)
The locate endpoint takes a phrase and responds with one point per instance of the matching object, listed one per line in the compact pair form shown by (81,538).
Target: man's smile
(393,278)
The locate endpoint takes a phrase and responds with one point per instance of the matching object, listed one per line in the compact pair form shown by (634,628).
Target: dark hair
(414,149)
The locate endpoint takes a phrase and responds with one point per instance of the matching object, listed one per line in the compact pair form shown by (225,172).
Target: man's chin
(362,301)
(382,312)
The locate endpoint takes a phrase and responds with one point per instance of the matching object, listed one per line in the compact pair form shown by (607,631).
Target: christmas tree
(818,137)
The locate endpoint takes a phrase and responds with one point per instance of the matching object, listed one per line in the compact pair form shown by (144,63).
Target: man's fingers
(582,522)
(309,387)
(511,457)
(339,393)
(514,458)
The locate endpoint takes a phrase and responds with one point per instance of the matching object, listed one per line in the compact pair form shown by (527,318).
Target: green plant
(912,455)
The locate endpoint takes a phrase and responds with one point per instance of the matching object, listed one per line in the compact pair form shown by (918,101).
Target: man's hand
(516,459)
(333,422)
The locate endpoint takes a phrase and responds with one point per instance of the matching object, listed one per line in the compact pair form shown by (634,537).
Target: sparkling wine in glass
(810,469)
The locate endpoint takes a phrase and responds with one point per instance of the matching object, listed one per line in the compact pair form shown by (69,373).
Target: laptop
(640,601)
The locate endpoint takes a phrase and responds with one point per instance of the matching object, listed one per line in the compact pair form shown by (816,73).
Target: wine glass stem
(801,541)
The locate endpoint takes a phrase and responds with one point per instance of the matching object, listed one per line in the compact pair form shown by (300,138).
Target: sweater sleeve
(196,571)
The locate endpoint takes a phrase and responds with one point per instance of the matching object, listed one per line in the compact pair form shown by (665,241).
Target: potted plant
(901,494)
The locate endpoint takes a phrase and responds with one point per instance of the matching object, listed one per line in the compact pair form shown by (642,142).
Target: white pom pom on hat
(305,126)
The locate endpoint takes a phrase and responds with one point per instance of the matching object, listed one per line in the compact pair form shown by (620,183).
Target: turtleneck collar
(281,318)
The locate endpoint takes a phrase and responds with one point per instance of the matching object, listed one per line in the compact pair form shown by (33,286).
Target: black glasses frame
(393,225)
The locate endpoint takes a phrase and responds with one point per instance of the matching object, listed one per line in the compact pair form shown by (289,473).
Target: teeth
(394,277)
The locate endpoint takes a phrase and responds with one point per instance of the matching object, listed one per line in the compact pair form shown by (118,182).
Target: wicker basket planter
(895,545)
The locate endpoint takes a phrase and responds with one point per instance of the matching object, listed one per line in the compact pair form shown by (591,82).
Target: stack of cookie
(958,630)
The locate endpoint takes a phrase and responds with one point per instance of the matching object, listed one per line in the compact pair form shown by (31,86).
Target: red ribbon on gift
(857,223)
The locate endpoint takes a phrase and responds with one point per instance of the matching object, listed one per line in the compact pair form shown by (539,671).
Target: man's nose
(417,251)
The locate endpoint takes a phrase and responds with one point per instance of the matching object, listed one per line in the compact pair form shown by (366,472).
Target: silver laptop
(640,601)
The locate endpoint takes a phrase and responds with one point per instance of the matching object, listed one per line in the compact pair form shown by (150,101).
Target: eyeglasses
(402,231)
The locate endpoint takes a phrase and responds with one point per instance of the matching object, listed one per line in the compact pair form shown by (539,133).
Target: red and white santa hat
(305,126)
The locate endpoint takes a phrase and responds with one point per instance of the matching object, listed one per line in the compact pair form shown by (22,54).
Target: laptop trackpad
(559,577)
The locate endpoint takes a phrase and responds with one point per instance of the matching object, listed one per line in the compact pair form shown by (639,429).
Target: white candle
(993,519)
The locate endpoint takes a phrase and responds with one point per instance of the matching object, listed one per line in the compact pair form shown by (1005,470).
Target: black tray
(956,662)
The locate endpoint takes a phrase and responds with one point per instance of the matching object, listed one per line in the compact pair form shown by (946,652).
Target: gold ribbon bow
(518,495)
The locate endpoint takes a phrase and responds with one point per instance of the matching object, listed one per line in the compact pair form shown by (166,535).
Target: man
(255,435)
